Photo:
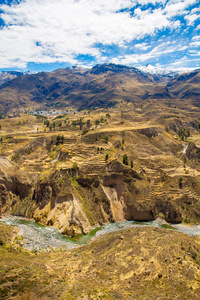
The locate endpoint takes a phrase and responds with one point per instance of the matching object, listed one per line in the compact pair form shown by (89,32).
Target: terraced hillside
(76,171)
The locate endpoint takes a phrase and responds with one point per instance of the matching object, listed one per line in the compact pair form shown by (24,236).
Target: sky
(44,35)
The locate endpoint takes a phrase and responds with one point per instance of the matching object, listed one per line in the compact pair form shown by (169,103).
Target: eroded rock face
(66,215)
(193,152)
(73,201)
(150,132)
(60,206)
(171,213)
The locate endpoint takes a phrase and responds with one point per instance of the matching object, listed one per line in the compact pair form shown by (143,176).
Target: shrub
(15,157)
(85,131)
(125,159)
(131,164)
(106,139)
(180,182)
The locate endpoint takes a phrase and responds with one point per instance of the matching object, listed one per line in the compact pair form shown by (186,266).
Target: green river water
(37,236)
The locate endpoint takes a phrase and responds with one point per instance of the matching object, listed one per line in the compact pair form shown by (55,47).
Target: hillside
(186,86)
(69,170)
(131,264)
(79,169)
(102,86)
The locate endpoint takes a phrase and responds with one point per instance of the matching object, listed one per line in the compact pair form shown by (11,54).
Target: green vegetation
(125,159)
(184,134)
(46,122)
(15,157)
(83,201)
(97,122)
(106,139)
(59,139)
(180,182)
(80,122)
(59,117)
(131,164)
(88,123)
(106,157)
(85,131)
(40,118)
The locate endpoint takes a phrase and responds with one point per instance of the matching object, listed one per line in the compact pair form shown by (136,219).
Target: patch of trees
(126,161)
(80,122)
(184,134)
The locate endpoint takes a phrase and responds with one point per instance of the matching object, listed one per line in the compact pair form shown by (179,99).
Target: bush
(15,157)
(125,159)
(59,139)
(85,131)
(131,164)
(180,182)
(184,133)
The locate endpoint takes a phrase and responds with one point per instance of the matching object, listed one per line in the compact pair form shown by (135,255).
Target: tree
(180,182)
(184,160)
(106,157)
(85,131)
(46,122)
(184,133)
(81,123)
(125,159)
(131,164)
(88,123)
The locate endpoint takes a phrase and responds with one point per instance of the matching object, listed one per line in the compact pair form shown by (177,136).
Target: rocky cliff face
(74,201)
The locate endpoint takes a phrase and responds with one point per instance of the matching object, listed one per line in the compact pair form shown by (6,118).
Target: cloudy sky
(49,34)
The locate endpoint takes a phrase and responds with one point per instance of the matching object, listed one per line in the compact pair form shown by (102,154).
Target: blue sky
(49,34)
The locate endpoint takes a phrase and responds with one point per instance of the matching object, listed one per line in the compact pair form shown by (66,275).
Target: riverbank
(37,237)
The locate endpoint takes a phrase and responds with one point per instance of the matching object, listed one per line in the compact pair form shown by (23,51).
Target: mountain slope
(6,76)
(101,86)
(186,86)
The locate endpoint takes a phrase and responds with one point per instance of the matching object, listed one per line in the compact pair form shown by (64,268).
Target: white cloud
(195,44)
(192,18)
(158,51)
(45,31)
(142,46)
(174,7)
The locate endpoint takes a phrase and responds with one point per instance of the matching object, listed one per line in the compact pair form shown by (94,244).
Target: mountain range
(101,86)
(164,72)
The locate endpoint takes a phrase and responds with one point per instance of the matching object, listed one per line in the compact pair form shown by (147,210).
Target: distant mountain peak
(165,72)
(104,68)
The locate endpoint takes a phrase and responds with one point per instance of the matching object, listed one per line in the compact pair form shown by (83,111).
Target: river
(38,237)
